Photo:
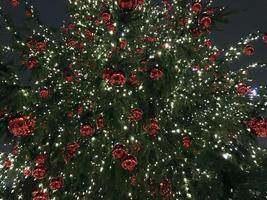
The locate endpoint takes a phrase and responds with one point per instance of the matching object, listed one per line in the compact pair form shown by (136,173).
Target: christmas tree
(130,100)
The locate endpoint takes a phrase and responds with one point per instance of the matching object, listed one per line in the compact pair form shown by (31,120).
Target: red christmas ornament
(39,173)
(28,13)
(128,4)
(100,122)
(40,45)
(205,22)
(248,50)
(107,73)
(123,44)
(7,164)
(21,126)
(89,35)
(80,110)
(117,79)
(134,181)
(111,27)
(196,8)
(40,159)
(152,128)
(150,39)
(56,183)
(156,74)
(129,163)
(87,130)
(183,22)
(165,188)
(43,93)
(186,142)
(27,172)
(207,42)
(69,79)
(133,79)
(32,63)
(264,38)
(39,194)
(259,127)
(243,89)
(139,51)
(15,3)
(136,115)
(119,151)
(72,148)
(106,17)
(73,43)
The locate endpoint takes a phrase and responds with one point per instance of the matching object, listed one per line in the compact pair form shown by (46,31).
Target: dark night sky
(248,16)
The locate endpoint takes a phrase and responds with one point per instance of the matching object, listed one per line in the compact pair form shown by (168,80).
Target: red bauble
(117,79)
(152,128)
(89,35)
(150,39)
(32,63)
(107,73)
(69,79)
(119,151)
(73,43)
(21,126)
(205,22)
(196,8)
(136,114)
(111,27)
(72,148)
(134,181)
(243,89)
(208,43)
(248,50)
(123,44)
(40,45)
(43,93)
(56,183)
(27,172)
(100,122)
(264,37)
(186,142)
(28,13)
(39,195)
(165,188)
(133,79)
(15,149)
(140,51)
(129,163)
(259,127)
(39,173)
(15,3)
(106,16)
(128,4)
(156,74)
(40,159)
(87,130)
(7,164)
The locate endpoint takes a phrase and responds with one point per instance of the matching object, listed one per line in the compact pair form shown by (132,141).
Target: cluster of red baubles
(259,126)
(120,152)
(22,125)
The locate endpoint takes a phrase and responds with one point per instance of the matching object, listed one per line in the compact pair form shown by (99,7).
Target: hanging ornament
(40,159)
(32,63)
(186,142)
(122,44)
(117,79)
(15,3)
(27,172)
(208,43)
(107,73)
(72,148)
(87,130)
(39,194)
(133,181)
(7,164)
(43,93)
(165,188)
(56,183)
(152,128)
(106,17)
(264,37)
(248,50)
(39,173)
(129,163)
(133,79)
(89,35)
(205,22)
(196,8)
(100,122)
(156,74)
(40,45)
(119,151)
(136,115)
(21,126)
(259,127)
(243,89)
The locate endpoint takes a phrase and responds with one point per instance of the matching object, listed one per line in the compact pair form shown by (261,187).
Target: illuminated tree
(130,100)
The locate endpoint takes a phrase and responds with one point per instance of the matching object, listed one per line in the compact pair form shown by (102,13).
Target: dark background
(248,16)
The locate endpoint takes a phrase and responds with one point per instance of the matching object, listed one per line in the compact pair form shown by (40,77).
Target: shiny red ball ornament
(119,151)
(87,130)
(133,80)
(89,35)
(39,194)
(27,172)
(186,142)
(15,3)
(100,122)
(72,43)
(7,164)
(264,38)
(72,147)
(43,93)
(205,22)
(40,159)
(248,50)
(111,27)
(39,173)
(56,183)
(133,181)
(208,43)
(156,74)
(259,127)
(32,63)
(107,73)
(165,188)
(152,128)
(123,44)
(40,45)
(128,4)
(150,39)
(136,115)
(129,163)
(21,126)
(117,79)
(106,16)
(196,8)
(140,51)
(243,89)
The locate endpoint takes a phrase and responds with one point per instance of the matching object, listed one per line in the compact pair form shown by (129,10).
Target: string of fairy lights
(89,39)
